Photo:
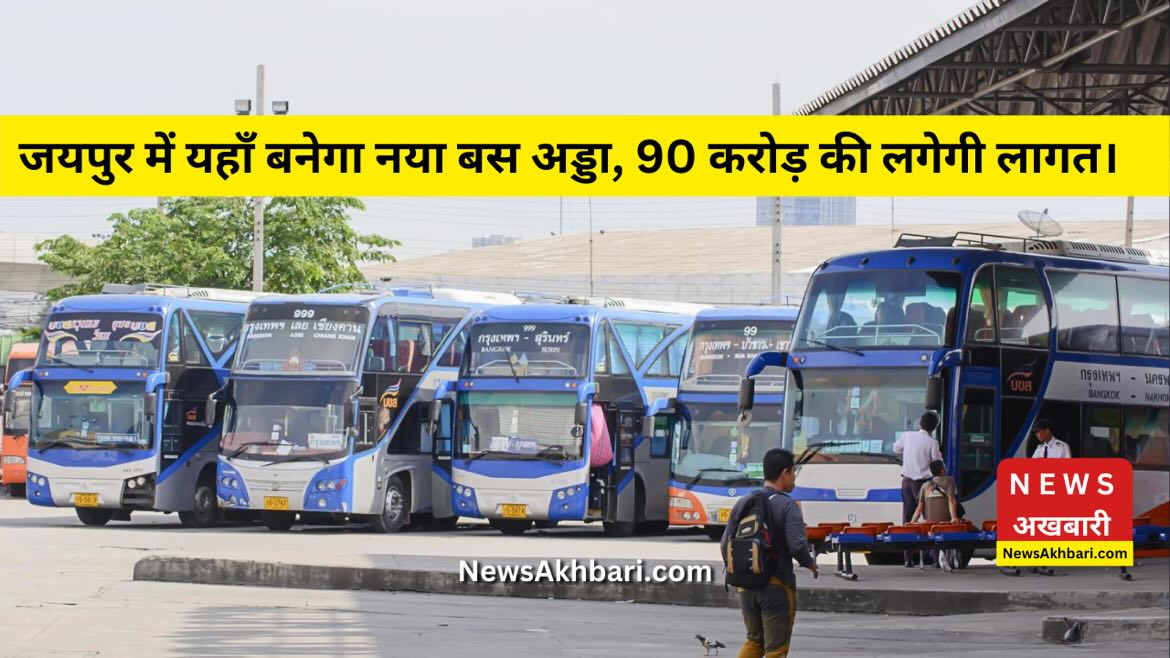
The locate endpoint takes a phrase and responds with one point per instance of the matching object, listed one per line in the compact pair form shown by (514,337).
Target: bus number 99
(750,331)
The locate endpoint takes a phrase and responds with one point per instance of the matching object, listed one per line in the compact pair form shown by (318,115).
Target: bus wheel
(714,532)
(205,511)
(278,521)
(395,509)
(16,490)
(511,526)
(619,528)
(92,516)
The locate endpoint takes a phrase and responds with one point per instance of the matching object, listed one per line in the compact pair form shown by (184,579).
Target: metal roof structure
(1080,57)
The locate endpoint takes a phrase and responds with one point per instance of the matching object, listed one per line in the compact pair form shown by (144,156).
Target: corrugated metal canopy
(1022,57)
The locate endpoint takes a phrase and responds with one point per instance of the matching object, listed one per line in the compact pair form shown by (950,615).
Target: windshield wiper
(545,453)
(716,469)
(246,446)
(58,443)
(297,458)
(839,348)
(890,458)
(123,445)
(486,452)
(68,363)
(512,367)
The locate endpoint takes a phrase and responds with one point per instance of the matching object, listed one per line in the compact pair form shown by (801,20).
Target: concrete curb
(821,599)
(1109,629)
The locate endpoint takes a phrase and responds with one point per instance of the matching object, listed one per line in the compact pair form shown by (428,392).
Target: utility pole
(561,227)
(258,203)
(777,269)
(590,246)
(1129,221)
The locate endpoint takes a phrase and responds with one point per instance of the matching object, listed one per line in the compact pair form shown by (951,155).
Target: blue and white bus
(714,460)
(991,333)
(537,380)
(327,411)
(118,393)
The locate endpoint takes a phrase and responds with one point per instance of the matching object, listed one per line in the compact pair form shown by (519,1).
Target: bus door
(624,411)
(653,457)
(442,444)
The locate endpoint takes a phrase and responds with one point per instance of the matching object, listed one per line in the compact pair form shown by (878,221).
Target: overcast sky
(469,57)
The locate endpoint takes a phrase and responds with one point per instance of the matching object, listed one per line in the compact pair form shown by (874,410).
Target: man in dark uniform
(770,611)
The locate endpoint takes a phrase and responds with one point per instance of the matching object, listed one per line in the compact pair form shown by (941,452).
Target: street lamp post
(244,107)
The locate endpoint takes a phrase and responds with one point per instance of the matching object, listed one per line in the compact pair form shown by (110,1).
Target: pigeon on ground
(1075,632)
(709,644)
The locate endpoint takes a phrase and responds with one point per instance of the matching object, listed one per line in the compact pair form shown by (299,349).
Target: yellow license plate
(85,500)
(723,514)
(514,511)
(276,502)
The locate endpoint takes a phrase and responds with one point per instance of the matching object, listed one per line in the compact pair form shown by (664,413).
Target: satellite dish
(1040,222)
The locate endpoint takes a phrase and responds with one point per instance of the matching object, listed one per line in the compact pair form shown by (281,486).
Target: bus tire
(714,532)
(511,527)
(205,511)
(652,527)
(395,508)
(16,490)
(278,521)
(94,516)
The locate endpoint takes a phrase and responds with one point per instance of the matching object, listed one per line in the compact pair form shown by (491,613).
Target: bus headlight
(13,459)
(561,494)
(681,503)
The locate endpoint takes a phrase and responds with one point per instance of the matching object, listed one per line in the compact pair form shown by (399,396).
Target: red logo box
(1064,500)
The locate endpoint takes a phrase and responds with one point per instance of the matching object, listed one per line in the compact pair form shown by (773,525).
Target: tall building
(491,240)
(808,211)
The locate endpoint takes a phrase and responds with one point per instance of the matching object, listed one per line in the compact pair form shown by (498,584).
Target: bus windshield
(528,350)
(853,415)
(114,340)
(294,339)
(720,352)
(90,415)
(519,425)
(284,420)
(879,309)
(712,447)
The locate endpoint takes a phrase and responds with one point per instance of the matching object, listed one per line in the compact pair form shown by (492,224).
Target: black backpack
(749,558)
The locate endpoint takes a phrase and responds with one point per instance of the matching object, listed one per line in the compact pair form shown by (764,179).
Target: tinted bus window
(669,363)
(1022,311)
(295,338)
(129,340)
(641,339)
(721,350)
(1146,439)
(1145,316)
(535,349)
(1086,311)
(981,314)
(891,309)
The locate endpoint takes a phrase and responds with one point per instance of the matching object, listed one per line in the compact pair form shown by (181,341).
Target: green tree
(207,241)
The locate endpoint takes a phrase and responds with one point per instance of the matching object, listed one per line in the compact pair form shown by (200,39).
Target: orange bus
(14,445)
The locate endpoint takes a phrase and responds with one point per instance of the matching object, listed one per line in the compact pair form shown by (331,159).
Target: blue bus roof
(141,304)
(969,258)
(569,312)
(749,313)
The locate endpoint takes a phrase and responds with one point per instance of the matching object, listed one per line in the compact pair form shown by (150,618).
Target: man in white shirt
(1049,446)
(918,449)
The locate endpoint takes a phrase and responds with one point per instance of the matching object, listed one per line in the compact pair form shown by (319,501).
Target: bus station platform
(894,590)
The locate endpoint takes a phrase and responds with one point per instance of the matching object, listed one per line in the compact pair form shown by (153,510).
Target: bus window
(1146,440)
(1086,311)
(980,319)
(669,363)
(891,309)
(219,330)
(977,439)
(1101,431)
(174,341)
(454,354)
(414,346)
(1145,316)
(191,351)
(408,439)
(618,363)
(641,339)
(1021,309)
(379,350)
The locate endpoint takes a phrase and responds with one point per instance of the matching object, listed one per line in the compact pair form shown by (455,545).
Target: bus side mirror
(747,394)
(581,414)
(9,402)
(436,415)
(209,410)
(151,405)
(934,393)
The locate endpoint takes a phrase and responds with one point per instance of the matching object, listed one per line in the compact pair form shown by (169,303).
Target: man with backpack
(764,534)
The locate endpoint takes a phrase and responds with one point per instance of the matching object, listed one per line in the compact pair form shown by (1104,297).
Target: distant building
(492,240)
(808,211)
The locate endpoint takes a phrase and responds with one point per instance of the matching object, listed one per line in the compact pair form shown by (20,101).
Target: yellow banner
(1064,554)
(90,387)
(584,156)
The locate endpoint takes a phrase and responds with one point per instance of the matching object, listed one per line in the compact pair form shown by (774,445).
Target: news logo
(1064,512)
